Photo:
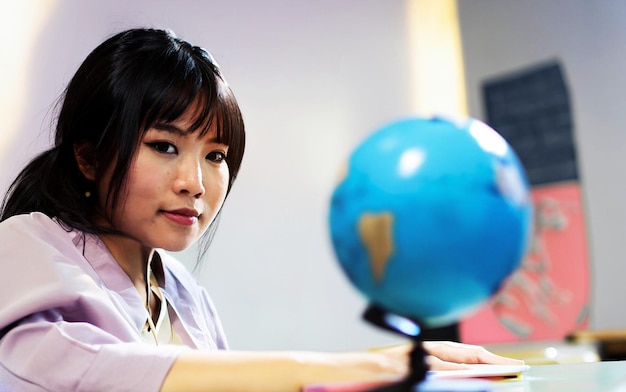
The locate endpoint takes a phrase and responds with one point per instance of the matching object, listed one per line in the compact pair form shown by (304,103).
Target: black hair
(131,81)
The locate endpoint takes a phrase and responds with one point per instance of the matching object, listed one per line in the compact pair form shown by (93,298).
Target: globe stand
(417,357)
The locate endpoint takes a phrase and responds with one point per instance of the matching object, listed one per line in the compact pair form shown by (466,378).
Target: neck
(132,257)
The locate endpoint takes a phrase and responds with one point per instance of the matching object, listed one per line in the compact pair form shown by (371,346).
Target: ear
(83,152)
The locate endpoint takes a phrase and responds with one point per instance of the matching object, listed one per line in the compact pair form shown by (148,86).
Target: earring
(87,194)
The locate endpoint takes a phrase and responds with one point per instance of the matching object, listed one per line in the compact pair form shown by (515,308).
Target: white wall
(588,38)
(312,79)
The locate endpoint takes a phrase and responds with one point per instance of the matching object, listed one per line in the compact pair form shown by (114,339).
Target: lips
(183,216)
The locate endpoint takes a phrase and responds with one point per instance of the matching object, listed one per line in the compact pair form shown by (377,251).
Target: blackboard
(531,109)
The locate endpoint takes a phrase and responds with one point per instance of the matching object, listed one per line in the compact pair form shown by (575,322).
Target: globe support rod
(409,328)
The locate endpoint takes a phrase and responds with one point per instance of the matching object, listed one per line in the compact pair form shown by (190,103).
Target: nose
(189,179)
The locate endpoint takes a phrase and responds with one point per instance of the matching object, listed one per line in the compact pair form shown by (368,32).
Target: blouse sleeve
(63,356)
(56,331)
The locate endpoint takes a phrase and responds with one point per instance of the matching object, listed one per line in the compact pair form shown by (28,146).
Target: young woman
(149,140)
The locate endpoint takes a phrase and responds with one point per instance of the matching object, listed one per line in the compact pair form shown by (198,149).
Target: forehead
(181,128)
(196,118)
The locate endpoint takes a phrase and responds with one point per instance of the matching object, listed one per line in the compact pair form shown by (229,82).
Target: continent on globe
(375,232)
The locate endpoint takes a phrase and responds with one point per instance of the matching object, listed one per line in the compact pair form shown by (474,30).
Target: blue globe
(430,217)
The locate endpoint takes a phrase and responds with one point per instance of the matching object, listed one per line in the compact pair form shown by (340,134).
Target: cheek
(138,181)
(218,185)
(144,183)
(224,179)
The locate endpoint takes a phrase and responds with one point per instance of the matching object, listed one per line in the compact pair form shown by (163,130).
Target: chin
(175,248)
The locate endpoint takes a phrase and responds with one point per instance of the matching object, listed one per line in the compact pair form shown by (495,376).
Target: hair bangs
(172,98)
(194,83)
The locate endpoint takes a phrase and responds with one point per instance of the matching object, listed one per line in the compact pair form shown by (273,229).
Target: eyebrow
(171,128)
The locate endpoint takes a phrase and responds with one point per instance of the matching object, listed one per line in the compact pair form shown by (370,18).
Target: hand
(450,356)
(444,355)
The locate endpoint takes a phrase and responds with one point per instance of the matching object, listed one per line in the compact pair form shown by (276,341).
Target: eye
(216,156)
(163,147)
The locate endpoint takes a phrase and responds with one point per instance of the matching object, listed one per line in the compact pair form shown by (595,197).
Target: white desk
(587,377)
(570,377)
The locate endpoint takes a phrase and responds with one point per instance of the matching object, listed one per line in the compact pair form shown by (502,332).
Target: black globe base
(409,328)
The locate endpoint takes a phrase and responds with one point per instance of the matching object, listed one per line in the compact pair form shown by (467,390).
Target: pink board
(547,297)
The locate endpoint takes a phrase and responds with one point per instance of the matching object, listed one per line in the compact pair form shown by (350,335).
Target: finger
(491,358)
(435,363)
(466,353)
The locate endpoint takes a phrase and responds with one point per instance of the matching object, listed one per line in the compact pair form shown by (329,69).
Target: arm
(225,371)
(248,371)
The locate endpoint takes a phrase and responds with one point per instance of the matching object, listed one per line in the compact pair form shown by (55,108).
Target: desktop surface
(607,376)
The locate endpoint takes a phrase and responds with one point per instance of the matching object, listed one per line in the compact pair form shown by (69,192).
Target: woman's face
(176,185)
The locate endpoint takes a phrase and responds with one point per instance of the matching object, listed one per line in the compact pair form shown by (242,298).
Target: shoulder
(35,245)
(32,221)
(34,230)
(41,267)
(35,249)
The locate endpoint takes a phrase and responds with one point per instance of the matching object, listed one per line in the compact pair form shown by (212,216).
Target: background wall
(313,78)
(502,36)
